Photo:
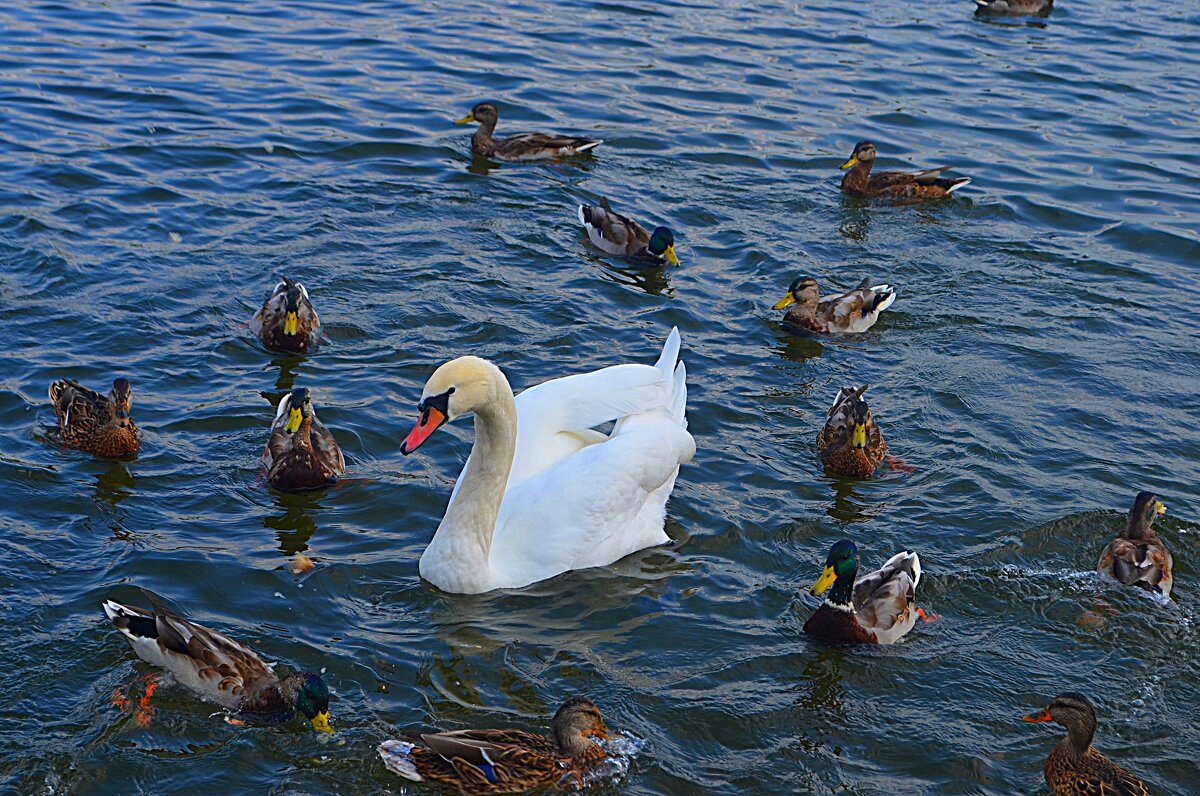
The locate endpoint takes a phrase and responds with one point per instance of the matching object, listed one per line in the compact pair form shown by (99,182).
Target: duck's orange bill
(431,420)
(1037,718)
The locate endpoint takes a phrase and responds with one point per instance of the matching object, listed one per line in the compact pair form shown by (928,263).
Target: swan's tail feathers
(670,354)
(397,758)
(679,395)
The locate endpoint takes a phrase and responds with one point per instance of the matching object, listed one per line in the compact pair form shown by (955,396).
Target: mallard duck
(1075,768)
(859,181)
(1138,556)
(287,321)
(850,443)
(878,608)
(853,311)
(1014,7)
(615,234)
(92,422)
(301,453)
(218,668)
(504,761)
(522,146)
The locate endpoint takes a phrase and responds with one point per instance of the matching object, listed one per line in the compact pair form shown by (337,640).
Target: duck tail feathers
(960,182)
(584,145)
(582,212)
(397,758)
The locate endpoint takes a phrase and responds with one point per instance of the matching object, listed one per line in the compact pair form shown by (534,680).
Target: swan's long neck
(457,558)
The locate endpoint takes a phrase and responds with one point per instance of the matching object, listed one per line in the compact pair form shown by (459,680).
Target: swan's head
(457,388)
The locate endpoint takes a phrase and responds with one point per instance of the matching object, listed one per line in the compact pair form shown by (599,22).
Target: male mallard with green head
(522,146)
(851,443)
(1075,768)
(287,321)
(480,762)
(301,453)
(618,235)
(218,668)
(851,312)
(1138,557)
(878,608)
(859,181)
(87,420)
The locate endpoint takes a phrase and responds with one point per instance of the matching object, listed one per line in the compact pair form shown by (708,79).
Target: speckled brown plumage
(478,762)
(304,456)
(522,146)
(852,312)
(98,424)
(1075,767)
(923,185)
(270,323)
(1014,7)
(835,439)
(1139,557)
(217,667)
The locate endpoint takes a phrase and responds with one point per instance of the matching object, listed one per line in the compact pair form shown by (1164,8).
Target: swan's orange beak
(431,420)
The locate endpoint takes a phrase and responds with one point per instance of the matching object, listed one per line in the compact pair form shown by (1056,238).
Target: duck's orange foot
(900,465)
(144,711)
(926,617)
(234,722)
(120,699)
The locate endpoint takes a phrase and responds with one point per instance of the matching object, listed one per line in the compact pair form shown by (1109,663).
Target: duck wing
(78,408)
(613,232)
(326,448)
(885,600)
(1147,565)
(541,146)
(497,761)
(208,662)
(855,310)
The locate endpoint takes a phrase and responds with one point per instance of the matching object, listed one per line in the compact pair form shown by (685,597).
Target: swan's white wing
(594,507)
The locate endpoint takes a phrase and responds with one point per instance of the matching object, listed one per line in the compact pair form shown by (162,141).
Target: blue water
(163,164)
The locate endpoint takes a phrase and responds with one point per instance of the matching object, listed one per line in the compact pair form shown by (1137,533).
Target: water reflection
(115,484)
(286,381)
(856,221)
(295,526)
(797,347)
(847,503)
(652,279)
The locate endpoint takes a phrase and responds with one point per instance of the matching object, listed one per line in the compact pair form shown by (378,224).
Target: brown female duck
(92,422)
(851,312)
(1075,768)
(504,761)
(851,443)
(878,608)
(859,181)
(287,321)
(301,453)
(522,146)
(1138,556)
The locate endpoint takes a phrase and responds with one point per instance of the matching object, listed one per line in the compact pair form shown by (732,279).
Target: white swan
(543,492)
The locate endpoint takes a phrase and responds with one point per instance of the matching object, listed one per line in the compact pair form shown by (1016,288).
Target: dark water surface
(164,163)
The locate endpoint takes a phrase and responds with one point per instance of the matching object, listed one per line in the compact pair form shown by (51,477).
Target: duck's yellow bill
(291,323)
(859,438)
(470,117)
(1159,508)
(674,260)
(320,722)
(1037,718)
(849,164)
(785,302)
(828,576)
(293,421)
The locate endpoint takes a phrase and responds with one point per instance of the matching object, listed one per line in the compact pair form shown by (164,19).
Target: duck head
(120,402)
(864,152)
(484,113)
(576,723)
(803,291)
(662,244)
